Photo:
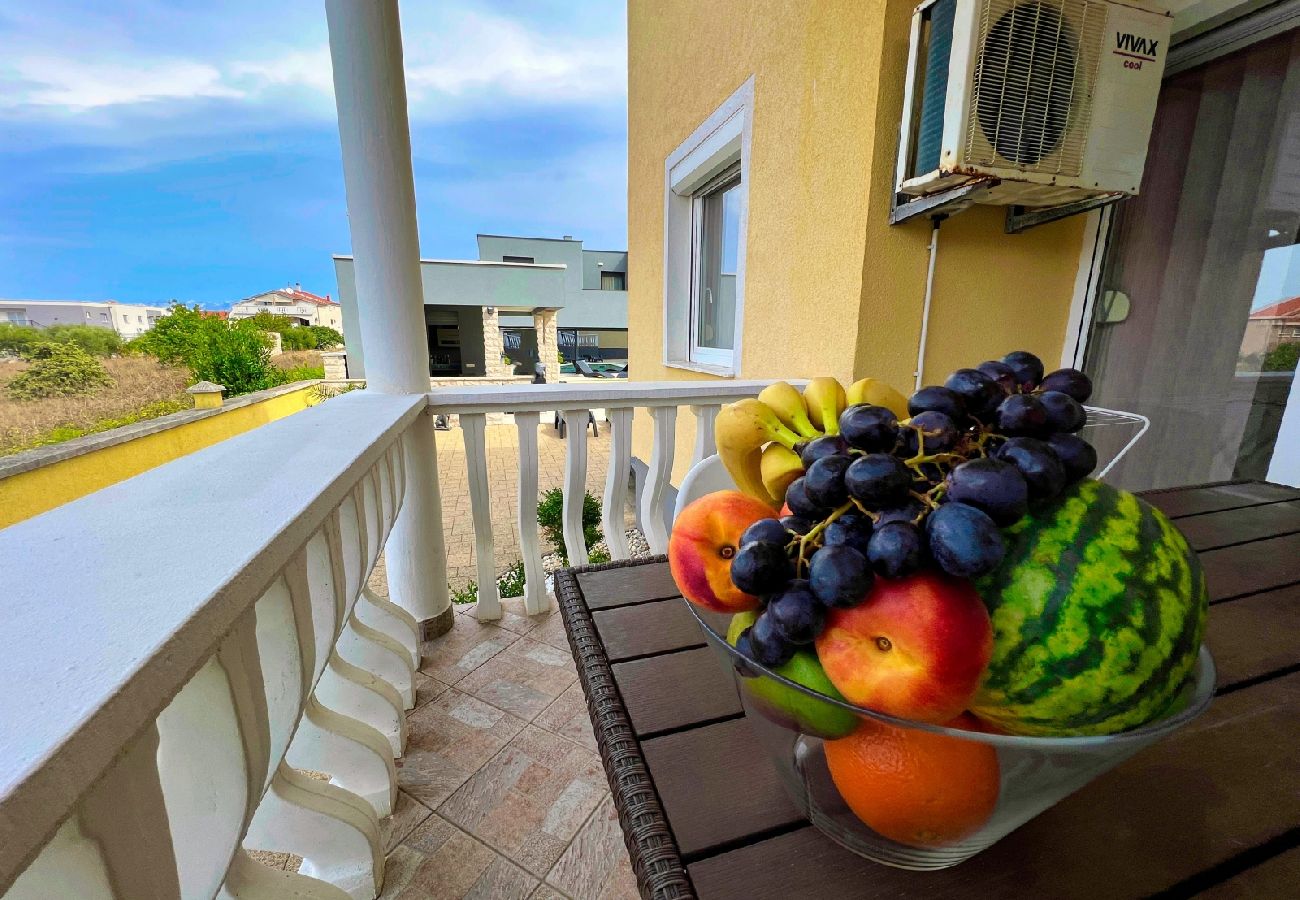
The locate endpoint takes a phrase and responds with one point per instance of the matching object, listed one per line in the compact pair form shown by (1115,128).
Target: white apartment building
(127,319)
(304,307)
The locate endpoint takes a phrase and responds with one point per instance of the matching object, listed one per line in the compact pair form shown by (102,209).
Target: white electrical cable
(925,310)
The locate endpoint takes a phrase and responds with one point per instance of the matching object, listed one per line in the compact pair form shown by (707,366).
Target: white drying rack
(1100,417)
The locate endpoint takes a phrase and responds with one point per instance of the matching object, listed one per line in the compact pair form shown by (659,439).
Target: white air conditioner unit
(1051,99)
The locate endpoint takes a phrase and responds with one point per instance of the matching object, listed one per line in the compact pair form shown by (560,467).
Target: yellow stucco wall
(831,288)
(30,493)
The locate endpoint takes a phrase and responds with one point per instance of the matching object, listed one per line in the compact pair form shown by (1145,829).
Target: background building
(524,300)
(127,319)
(304,307)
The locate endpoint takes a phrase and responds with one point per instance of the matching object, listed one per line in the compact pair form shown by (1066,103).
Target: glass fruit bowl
(934,795)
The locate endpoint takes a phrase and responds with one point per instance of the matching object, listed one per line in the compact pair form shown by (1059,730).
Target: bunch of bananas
(757,436)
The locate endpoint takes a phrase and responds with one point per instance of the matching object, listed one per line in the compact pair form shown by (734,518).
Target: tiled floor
(502,794)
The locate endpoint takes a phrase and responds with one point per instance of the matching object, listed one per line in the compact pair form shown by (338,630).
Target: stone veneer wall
(548,341)
(493,346)
(336,365)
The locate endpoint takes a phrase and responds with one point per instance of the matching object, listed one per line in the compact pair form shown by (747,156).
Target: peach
(704,540)
(915,648)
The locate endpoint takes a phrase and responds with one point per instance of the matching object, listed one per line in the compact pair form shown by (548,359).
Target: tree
(236,355)
(91,338)
(58,370)
(1282,358)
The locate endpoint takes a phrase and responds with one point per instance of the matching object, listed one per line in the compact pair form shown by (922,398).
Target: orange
(916,787)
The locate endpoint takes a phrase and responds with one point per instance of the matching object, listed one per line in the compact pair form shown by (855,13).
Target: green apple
(788,707)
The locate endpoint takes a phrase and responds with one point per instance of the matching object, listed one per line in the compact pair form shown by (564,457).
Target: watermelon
(1098,612)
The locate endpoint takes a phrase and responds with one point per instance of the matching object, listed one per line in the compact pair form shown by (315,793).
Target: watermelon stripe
(1098,612)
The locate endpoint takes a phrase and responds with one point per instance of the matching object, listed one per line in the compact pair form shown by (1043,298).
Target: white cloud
(459,63)
(74,85)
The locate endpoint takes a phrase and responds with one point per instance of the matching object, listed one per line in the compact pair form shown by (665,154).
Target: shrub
(550,515)
(237,357)
(94,340)
(1282,358)
(269,321)
(17,338)
(58,370)
(326,338)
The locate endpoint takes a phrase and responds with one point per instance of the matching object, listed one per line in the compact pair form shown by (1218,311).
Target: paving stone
(531,799)
(449,740)
(469,644)
(440,862)
(523,679)
(407,815)
(596,864)
(568,717)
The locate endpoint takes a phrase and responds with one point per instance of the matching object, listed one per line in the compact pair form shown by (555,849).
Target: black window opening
(613,281)
(517,259)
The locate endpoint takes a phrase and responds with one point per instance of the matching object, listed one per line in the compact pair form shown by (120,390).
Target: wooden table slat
(1257,566)
(1149,824)
(646,628)
(1193,501)
(717,784)
(1277,876)
(676,689)
(1255,635)
(1239,526)
(620,586)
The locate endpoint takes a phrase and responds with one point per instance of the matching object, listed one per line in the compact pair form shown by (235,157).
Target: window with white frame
(705,212)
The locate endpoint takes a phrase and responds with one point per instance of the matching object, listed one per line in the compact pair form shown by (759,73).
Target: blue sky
(189,150)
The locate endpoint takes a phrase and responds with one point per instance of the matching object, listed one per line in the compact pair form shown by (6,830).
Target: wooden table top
(1212,810)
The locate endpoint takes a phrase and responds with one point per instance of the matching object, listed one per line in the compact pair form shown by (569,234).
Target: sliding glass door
(1198,318)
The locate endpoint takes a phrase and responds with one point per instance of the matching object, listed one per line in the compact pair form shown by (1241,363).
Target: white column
(370,93)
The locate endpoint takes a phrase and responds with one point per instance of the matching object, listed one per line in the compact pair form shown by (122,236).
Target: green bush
(58,370)
(293,336)
(17,338)
(179,336)
(239,358)
(236,355)
(1282,358)
(94,340)
(325,336)
(550,516)
(269,321)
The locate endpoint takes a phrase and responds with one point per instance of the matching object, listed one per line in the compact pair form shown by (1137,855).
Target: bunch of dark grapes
(886,498)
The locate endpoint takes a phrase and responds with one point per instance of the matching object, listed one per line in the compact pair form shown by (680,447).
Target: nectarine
(915,648)
(704,540)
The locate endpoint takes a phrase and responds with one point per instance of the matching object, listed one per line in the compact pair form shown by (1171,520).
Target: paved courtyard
(503,476)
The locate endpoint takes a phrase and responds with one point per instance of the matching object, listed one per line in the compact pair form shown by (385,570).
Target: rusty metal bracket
(1020,218)
(903,208)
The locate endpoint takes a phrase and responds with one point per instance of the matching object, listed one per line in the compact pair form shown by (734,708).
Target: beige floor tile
(467,646)
(407,815)
(440,862)
(552,632)
(531,799)
(568,717)
(450,738)
(426,689)
(522,679)
(513,618)
(596,864)
(546,892)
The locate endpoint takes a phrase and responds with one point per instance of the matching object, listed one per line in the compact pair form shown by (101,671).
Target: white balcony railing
(574,401)
(184,644)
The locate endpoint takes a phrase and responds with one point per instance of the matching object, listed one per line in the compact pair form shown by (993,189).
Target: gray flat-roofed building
(523,300)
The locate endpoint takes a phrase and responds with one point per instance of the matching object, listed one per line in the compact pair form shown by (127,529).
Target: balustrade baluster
(575,485)
(530,546)
(620,465)
(480,504)
(654,517)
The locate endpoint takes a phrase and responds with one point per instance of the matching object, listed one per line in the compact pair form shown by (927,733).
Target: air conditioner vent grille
(1035,71)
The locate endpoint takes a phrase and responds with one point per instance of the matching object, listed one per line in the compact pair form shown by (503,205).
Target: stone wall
(548,341)
(493,346)
(336,365)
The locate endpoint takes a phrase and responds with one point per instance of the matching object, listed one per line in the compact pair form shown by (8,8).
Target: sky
(183,150)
